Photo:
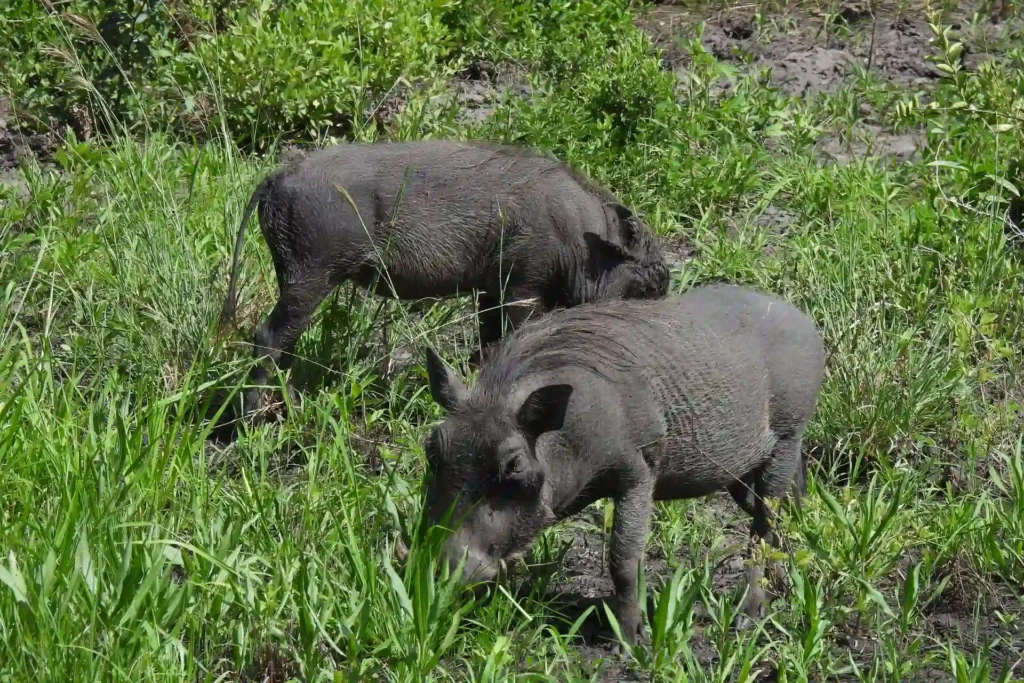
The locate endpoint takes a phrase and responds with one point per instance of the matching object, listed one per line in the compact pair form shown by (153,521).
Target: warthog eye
(517,475)
(513,466)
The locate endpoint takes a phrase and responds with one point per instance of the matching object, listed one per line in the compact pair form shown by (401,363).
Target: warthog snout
(480,567)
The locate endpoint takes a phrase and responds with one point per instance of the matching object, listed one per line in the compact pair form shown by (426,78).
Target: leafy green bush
(257,69)
(261,70)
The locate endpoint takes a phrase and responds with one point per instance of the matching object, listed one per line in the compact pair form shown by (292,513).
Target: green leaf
(942,163)
(874,596)
(12,578)
(449,637)
(397,586)
(83,563)
(1005,184)
(49,568)
(173,555)
(838,512)
(144,589)
(580,620)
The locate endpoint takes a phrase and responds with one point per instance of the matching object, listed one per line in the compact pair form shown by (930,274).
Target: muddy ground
(16,148)
(811,51)
(964,613)
(583,581)
(806,51)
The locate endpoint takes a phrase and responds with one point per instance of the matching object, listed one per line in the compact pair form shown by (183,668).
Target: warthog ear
(603,256)
(629,224)
(446,388)
(544,410)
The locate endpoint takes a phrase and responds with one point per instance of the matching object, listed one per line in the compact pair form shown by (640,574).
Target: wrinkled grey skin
(633,400)
(443,218)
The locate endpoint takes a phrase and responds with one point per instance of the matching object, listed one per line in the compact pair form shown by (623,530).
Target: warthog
(634,400)
(439,219)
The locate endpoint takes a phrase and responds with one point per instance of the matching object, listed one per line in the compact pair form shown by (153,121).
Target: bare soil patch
(481,87)
(810,52)
(475,92)
(870,141)
(678,250)
(17,148)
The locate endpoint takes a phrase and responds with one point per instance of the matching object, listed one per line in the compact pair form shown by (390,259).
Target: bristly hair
(587,183)
(582,337)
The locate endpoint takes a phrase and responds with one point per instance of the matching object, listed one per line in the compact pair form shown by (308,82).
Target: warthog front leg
(629,532)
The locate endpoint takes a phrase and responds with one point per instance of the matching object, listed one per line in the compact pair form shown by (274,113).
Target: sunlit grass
(135,547)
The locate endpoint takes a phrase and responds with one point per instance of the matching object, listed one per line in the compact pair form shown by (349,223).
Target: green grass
(134,548)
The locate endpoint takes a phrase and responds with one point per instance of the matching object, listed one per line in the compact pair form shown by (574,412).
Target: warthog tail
(230,308)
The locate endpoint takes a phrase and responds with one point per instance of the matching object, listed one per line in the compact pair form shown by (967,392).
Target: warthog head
(633,269)
(484,470)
